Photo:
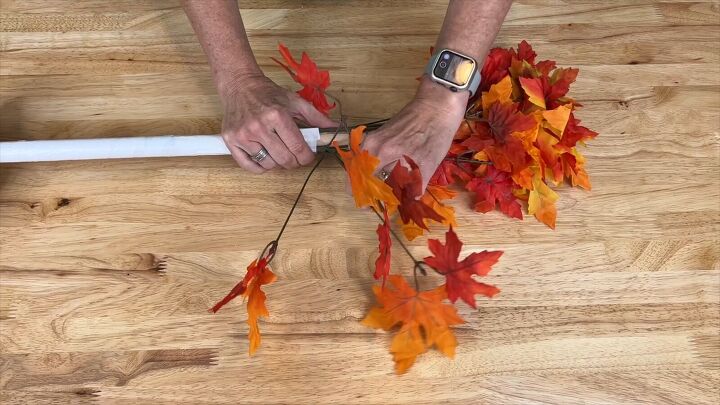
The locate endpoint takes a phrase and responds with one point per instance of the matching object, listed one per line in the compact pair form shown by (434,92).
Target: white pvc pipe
(122,148)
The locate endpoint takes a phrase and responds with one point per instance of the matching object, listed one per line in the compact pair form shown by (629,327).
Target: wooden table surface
(108,267)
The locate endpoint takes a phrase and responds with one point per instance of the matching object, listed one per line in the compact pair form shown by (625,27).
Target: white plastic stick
(121,148)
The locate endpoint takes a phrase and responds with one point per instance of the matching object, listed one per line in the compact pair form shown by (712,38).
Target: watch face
(454,68)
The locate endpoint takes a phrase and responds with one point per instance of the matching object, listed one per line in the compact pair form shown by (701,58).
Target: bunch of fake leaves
(519,134)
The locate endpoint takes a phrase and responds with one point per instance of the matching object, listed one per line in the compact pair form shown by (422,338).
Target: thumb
(311,115)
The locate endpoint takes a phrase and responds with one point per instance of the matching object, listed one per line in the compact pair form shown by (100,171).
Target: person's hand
(423,130)
(260,114)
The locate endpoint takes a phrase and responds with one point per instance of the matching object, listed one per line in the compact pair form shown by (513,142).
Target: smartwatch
(454,70)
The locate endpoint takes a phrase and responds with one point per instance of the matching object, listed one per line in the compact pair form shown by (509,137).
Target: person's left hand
(423,129)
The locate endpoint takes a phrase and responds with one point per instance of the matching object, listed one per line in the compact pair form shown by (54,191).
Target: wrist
(440,96)
(229,82)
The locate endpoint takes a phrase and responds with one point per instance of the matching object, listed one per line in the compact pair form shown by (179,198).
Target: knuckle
(252,127)
(370,144)
(287,161)
(306,159)
(272,114)
(296,148)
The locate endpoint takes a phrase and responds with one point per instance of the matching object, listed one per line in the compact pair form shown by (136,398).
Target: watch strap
(474,81)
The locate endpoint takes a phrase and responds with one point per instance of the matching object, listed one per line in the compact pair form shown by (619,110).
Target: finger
(277,150)
(290,135)
(243,160)
(311,115)
(253,148)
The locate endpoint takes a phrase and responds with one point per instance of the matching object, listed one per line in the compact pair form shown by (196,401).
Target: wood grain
(107,267)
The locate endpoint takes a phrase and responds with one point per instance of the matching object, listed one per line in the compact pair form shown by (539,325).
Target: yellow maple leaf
(541,202)
(557,119)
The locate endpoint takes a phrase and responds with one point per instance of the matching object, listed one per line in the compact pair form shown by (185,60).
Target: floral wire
(457,159)
(271,247)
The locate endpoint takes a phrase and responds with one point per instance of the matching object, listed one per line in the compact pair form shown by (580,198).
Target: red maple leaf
(495,68)
(495,188)
(495,137)
(407,187)
(255,268)
(506,119)
(575,133)
(559,84)
(382,263)
(460,283)
(545,67)
(526,53)
(447,171)
(306,72)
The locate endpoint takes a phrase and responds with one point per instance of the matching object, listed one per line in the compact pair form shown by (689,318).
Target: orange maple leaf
(557,119)
(360,165)
(541,202)
(423,319)
(256,305)
(501,91)
(258,274)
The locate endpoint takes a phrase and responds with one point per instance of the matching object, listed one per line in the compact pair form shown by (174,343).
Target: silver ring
(383,175)
(260,156)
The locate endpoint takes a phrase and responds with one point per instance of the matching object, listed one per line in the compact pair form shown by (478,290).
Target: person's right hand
(260,114)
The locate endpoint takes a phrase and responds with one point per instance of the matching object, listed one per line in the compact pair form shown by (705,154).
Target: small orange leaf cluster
(258,274)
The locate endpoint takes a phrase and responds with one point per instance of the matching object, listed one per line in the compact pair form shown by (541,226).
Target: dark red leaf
(382,263)
(407,187)
(458,274)
(495,189)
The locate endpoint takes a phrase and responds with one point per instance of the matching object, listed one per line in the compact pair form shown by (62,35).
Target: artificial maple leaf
(460,283)
(433,197)
(252,270)
(499,92)
(493,189)
(544,67)
(574,133)
(550,164)
(257,275)
(559,84)
(447,171)
(573,167)
(505,119)
(481,169)
(557,119)
(382,263)
(495,68)
(423,319)
(407,187)
(256,305)
(313,80)
(360,165)
(534,89)
(541,202)
(496,137)
(525,52)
